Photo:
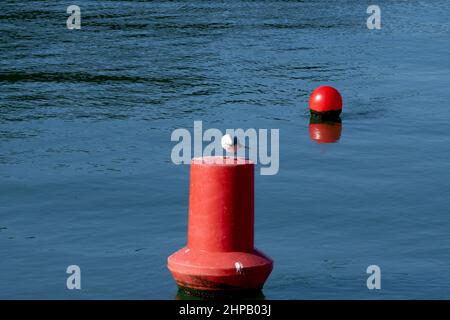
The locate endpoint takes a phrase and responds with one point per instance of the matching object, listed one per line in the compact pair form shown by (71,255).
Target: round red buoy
(323,131)
(325,101)
(220,255)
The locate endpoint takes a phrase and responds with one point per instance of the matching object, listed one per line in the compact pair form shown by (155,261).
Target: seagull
(231,144)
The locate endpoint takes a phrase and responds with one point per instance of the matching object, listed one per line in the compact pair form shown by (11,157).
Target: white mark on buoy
(239,266)
(187,250)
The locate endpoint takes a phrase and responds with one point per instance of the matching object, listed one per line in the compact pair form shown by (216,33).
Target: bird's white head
(230,144)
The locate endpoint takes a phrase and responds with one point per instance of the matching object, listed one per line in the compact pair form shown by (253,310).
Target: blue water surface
(86,116)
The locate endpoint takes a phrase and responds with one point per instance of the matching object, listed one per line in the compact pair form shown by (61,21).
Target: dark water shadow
(365,114)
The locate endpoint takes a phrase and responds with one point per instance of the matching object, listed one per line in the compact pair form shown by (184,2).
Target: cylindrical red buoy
(325,131)
(326,102)
(220,255)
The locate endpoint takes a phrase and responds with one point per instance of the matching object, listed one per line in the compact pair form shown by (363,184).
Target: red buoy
(325,101)
(323,131)
(220,255)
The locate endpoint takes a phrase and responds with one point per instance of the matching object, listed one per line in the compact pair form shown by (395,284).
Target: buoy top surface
(221,161)
(325,98)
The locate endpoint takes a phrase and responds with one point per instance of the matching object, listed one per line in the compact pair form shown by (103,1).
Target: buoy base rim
(326,115)
(219,271)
